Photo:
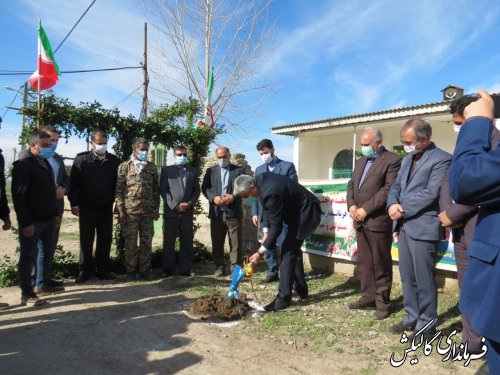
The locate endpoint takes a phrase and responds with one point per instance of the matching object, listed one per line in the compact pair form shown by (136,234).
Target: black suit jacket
(173,192)
(372,194)
(4,207)
(212,187)
(33,190)
(286,201)
(460,213)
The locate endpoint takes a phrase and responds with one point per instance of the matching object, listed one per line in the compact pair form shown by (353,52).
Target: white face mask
(409,148)
(456,128)
(100,149)
(223,162)
(267,158)
(497,123)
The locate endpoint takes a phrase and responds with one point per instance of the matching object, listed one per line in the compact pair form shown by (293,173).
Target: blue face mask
(368,151)
(251,200)
(181,160)
(53,146)
(46,153)
(142,155)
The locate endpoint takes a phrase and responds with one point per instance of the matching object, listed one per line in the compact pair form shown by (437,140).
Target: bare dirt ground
(135,329)
(141,328)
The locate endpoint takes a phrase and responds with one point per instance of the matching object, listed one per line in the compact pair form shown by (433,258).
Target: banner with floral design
(336,237)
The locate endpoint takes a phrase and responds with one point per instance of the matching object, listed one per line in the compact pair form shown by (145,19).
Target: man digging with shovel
(283,201)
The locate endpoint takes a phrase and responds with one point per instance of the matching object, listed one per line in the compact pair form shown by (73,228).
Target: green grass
(69,236)
(326,326)
(367,371)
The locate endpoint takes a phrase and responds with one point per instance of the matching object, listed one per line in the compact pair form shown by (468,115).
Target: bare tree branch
(231,36)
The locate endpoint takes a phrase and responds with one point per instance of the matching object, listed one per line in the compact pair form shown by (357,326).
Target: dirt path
(140,328)
(130,329)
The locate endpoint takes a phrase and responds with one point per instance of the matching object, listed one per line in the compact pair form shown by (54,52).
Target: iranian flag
(47,72)
(209,116)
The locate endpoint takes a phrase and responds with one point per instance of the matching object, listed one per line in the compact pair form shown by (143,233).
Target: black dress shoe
(402,327)
(106,276)
(271,278)
(53,282)
(427,334)
(168,272)
(302,294)
(82,277)
(131,276)
(148,276)
(277,304)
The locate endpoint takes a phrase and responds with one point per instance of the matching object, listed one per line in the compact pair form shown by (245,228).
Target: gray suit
(417,191)
(175,190)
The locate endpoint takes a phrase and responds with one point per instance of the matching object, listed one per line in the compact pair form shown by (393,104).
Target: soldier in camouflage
(138,203)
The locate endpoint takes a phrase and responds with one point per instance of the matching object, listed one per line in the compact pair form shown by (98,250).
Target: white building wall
(317,149)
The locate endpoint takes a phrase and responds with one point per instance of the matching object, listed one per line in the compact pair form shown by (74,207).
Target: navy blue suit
(475,180)
(284,168)
(417,191)
(287,202)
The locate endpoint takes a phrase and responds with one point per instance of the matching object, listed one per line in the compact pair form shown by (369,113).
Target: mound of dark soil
(216,306)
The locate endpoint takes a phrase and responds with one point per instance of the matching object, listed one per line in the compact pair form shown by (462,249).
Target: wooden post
(146,79)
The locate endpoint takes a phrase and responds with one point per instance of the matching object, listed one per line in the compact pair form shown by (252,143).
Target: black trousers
(181,226)
(468,334)
(291,266)
(95,220)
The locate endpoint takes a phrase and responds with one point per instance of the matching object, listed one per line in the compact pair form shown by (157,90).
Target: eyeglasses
(184,154)
(406,143)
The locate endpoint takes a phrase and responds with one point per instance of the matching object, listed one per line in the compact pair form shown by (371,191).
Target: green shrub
(8,271)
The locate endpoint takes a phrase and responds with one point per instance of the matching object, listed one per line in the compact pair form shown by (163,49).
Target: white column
(354,147)
(296,150)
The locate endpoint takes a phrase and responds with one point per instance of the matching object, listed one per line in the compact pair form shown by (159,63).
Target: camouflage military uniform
(137,195)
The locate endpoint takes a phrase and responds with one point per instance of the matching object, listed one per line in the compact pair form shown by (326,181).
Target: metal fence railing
(341,173)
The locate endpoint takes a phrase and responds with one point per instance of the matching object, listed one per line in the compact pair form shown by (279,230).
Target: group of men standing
(98,182)
(411,202)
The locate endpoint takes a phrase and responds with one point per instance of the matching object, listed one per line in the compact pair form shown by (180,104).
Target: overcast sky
(327,58)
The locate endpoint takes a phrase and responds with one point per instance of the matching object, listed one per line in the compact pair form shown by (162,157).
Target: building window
(342,164)
(399,150)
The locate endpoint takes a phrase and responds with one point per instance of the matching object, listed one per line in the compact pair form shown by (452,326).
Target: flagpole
(39,75)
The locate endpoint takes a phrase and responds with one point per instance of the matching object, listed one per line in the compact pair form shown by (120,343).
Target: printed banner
(336,237)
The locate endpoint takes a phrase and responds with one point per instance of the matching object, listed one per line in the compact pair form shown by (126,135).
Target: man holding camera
(475,180)
(461,219)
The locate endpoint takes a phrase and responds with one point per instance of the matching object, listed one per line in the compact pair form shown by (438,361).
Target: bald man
(225,210)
